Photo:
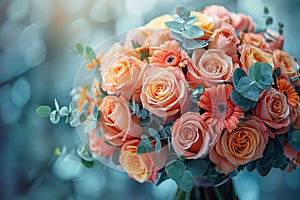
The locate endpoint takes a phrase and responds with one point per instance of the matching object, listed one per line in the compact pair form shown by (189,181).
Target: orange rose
(164,91)
(141,167)
(192,137)
(98,145)
(244,144)
(251,55)
(116,122)
(286,63)
(210,67)
(224,38)
(124,75)
(274,110)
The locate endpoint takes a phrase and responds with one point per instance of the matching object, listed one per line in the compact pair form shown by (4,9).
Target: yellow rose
(159,22)
(251,54)
(206,23)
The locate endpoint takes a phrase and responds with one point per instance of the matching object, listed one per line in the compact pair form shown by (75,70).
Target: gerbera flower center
(171,59)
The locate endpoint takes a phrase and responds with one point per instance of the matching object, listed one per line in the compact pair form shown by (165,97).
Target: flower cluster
(198,94)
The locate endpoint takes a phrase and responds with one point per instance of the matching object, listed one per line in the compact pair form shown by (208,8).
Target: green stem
(218,194)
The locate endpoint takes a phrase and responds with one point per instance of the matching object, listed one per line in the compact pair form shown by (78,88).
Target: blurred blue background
(36,66)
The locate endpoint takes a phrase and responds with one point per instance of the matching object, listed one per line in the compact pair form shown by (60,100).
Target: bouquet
(201,94)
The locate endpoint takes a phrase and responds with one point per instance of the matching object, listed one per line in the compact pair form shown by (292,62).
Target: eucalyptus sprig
(183,30)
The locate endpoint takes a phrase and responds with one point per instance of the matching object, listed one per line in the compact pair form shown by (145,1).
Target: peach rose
(224,38)
(219,11)
(99,146)
(286,63)
(124,75)
(159,22)
(210,67)
(192,137)
(254,39)
(273,109)
(164,91)
(116,122)
(244,144)
(276,40)
(242,22)
(152,37)
(116,50)
(251,55)
(141,167)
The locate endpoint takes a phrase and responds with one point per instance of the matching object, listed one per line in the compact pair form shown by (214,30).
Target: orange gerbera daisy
(287,89)
(221,112)
(169,54)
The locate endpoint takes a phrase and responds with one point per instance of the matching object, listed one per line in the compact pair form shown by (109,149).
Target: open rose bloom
(197,94)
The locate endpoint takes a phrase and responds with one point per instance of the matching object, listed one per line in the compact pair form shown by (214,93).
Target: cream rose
(116,122)
(159,22)
(206,23)
(244,144)
(141,167)
(192,137)
(210,67)
(123,76)
(273,109)
(251,54)
(164,91)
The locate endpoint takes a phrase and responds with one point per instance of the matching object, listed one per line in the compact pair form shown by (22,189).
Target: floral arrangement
(200,94)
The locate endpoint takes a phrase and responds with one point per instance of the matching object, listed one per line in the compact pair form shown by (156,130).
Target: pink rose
(123,75)
(276,40)
(164,91)
(245,143)
(273,109)
(116,122)
(99,146)
(141,167)
(242,22)
(225,39)
(210,67)
(289,152)
(219,11)
(251,55)
(192,137)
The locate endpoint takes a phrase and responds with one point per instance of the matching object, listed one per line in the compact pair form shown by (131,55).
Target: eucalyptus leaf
(198,166)
(157,145)
(90,53)
(174,172)
(153,132)
(43,111)
(145,122)
(56,105)
(241,101)
(261,73)
(237,75)
(79,48)
(190,44)
(82,117)
(183,12)
(177,36)
(190,20)
(294,140)
(178,19)
(187,181)
(174,26)
(54,117)
(192,32)
(64,111)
